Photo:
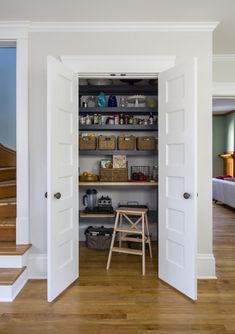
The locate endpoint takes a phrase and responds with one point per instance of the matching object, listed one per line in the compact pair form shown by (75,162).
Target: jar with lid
(96,119)
(116,119)
(88,120)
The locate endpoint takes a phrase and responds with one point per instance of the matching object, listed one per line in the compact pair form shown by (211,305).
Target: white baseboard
(206,266)
(9,292)
(22,230)
(37,266)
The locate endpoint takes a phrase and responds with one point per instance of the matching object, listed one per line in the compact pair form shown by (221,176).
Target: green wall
(223,139)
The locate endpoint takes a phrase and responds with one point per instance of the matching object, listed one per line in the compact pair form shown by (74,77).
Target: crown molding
(109,26)
(224,57)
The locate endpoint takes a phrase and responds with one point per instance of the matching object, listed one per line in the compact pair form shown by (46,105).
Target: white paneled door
(178,177)
(62,178)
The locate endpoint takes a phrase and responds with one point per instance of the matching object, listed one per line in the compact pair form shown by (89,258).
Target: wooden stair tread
(9,200)
(10,248)
(7,168)
(7,183)
(127,250)
(7,221)
(8,276)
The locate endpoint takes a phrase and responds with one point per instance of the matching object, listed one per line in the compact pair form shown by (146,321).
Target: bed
(224,191)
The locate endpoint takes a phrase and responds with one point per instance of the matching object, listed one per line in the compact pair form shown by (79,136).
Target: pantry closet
(118,160)
(129,119)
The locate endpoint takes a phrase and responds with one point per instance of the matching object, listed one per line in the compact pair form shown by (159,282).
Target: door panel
(178,178)
(62,178)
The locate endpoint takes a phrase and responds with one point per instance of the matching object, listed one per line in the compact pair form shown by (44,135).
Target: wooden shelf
(119,89)
(96,215)
(108,127)
(119,184)
(127,110)
(117,152)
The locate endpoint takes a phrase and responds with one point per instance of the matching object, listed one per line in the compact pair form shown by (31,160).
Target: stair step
(7,173)
(10,248)
(7,229)
(8,276)
(7,189)
(8,208)
(127,250)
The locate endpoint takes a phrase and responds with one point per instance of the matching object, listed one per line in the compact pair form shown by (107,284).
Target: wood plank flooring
(122,301)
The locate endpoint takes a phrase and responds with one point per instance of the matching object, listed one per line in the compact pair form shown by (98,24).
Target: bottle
(88,120)
(96,119)
(151,119)
(121,120)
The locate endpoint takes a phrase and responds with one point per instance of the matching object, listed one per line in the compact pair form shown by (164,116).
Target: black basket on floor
(98,237)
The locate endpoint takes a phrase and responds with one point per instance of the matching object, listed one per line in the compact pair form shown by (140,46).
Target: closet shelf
(127,110)
(119,184)
(118,89)
(117,152)
(108,127)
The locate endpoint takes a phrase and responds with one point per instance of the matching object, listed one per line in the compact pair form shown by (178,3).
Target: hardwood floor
(123,301)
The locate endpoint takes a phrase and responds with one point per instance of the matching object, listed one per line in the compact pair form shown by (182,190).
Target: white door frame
(19,35)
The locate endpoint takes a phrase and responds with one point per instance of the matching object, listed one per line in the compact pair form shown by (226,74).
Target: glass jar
(155,173)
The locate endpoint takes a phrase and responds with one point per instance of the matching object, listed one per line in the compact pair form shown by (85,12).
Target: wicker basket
(146,143)
(107,142)
(87,142)
(114,174)
(126,143)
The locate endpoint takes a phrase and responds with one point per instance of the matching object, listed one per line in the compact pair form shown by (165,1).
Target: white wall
(8,96)
(183,45)
(224,70)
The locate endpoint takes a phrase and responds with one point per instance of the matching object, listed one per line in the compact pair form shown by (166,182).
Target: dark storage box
(98,237)
(126,143)
(146,143)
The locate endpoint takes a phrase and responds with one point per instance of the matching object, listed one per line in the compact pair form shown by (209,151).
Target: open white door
(62,178)
(178,177)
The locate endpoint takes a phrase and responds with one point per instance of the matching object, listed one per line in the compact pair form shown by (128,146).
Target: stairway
(13,258)
(7,194)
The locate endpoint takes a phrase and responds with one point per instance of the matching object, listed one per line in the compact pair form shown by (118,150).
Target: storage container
(107,142)
(98,237)
(126,143)
(146,143)
(114,174)
(140,173)
(87,142)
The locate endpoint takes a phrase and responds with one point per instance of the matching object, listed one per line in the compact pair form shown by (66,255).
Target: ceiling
(223,105)
(131,11)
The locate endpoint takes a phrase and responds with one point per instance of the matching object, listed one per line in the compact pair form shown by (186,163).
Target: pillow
(222,177)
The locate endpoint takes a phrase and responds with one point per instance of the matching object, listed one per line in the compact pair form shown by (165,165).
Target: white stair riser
(14,261)
(9,292)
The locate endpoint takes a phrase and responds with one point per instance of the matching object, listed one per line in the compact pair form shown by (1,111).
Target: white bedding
(224,191)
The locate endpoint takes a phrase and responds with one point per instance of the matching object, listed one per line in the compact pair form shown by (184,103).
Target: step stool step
(127,250)
(128,231)
(7,173)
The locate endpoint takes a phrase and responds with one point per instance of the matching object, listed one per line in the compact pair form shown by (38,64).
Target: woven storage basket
(114,174)
(146,143)
(126,143)
(107,142)
(87,143)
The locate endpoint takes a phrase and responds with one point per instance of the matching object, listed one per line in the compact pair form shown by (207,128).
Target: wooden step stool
(123,233)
